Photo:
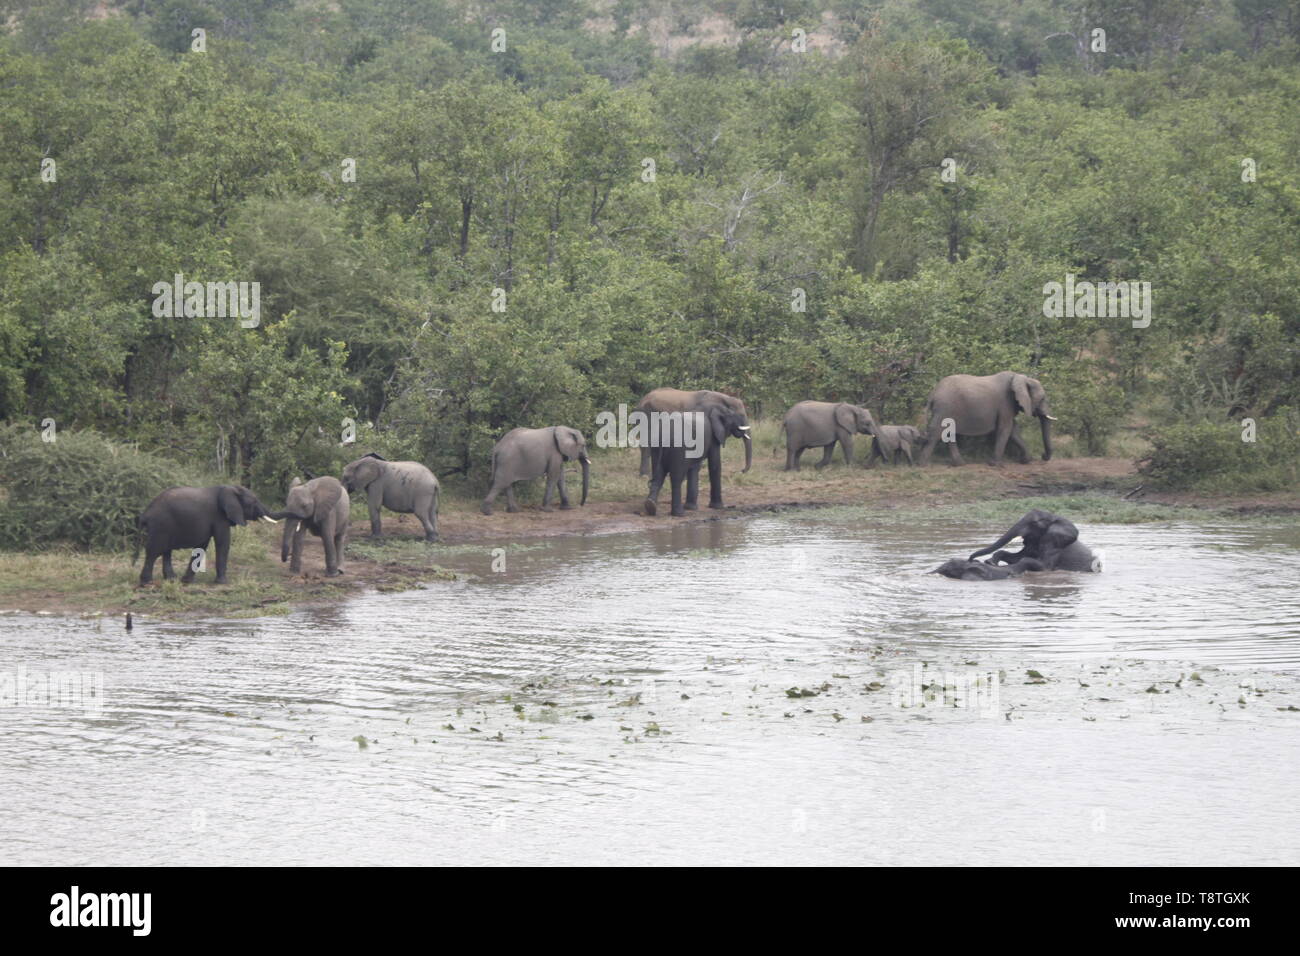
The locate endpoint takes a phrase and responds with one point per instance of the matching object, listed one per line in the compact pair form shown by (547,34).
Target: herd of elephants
(192,518)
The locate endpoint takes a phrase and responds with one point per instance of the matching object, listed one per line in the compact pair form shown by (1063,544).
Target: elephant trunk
(290,526)
(586,477)
(749,453)
(1016,531)
(1046,424)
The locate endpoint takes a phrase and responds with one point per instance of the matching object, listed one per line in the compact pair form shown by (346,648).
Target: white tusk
(269,520)
(1049,418)
(743,428)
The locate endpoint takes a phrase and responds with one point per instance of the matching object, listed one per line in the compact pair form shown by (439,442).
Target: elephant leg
(340,544)
(846,446)
(677,510)
(169,574)
(1018,445)
(146,572)
(491,496)
(797,453)
(188,576)
(954,452)
(1000,440)
(222,543)
(907,450)
(328,541)
(715,476)
(512,506)
(827,454)
(430,519)
(564,492)
(546,495)
(646,466)
(376,528)
(693,489)
(657,474)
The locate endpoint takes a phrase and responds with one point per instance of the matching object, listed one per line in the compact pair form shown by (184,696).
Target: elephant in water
(406,487)
(891,441)
(320,506)
(1050,541)
(526,453)
(191,517)
(964,569)
(821,425)
(986,405)
(676,400)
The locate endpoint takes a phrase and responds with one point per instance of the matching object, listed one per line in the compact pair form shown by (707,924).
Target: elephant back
(1079,557)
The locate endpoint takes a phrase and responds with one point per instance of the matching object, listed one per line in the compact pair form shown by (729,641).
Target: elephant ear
(846,418)
(717,421)
(1020,392)
(228,502)
(567,441)
(295,483)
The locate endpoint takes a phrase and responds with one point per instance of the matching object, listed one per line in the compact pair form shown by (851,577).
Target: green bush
(81,489)
(1214,456)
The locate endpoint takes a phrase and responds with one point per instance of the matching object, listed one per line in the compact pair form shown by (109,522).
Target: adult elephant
(821,425)
(320,506)
(526,453)
(189,518)
(681,459)
(676,400)
(984,405)
(891,441)
(1050,541)
(406,487)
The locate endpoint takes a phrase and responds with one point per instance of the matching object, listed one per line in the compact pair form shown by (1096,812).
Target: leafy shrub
(81,489)
(1212,455)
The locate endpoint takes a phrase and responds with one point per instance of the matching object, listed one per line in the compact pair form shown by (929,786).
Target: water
(622,699)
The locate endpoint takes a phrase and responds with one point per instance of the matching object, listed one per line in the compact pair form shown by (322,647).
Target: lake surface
(732,692)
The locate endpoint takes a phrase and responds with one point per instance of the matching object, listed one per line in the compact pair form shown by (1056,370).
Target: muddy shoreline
(401,561)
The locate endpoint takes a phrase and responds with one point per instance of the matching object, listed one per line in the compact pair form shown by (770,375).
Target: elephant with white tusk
(320,506)
(986,405)
(680,459)
(526,453)
(676,400)
(190,518)
(406,487)
(890,442)
(821,425)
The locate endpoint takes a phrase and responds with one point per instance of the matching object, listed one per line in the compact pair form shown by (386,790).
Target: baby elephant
(320,506)
(406,487)
(890,441)
(526,453)
(964,569)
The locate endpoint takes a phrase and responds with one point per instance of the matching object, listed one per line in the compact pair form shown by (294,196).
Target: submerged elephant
(986,405)
(1050,541)
(891,441)
(965,569)
(189,518)
(676,400)
(821,425)
(526,453)
(678,462)
(320,506)
(406,487)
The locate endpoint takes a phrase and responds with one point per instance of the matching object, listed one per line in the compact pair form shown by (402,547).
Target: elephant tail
(137,540)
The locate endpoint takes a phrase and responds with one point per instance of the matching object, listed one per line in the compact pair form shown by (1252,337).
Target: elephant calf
(189,518)
(406,487)
(821,425)
(964,569)
(891,441)
(320,506)
(526,453)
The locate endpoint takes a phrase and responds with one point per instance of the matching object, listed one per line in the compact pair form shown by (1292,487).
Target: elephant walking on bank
(680,461)
(406,487)
(892,441)
(821,425)
(985,405)
(526,453)
(676,400)
(320,506)
(1050,542)
(190,518)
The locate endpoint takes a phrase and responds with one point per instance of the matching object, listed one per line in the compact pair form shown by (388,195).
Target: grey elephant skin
(965,569)
(821,425)
(526,453)
(406,487)
(187,517)
(986,405)
(891,442)
(1051,542)
(672,462)
(677,400)
(320,506)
